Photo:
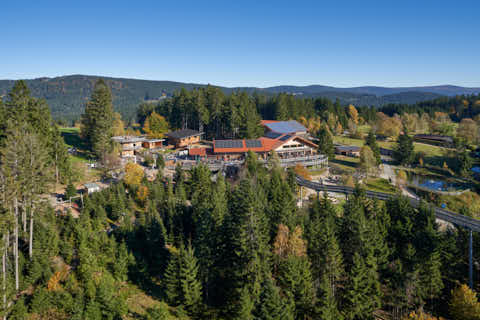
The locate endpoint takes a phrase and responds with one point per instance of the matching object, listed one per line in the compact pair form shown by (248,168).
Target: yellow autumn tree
(353,113)
(464,304)
(118,128)
(155,126)
(133,174)
(289,243)
(280,246)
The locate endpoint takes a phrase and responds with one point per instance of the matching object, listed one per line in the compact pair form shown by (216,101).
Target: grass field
(380,185)
(82,156)
(72,139)
(429,150)
(346,164)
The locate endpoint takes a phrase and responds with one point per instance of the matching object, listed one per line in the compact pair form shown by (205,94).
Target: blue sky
(246,43)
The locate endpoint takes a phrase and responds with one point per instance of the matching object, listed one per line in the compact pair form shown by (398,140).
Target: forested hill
(66,95)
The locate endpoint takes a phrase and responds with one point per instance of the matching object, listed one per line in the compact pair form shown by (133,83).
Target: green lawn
(72,139)
(429,150)
(380,185)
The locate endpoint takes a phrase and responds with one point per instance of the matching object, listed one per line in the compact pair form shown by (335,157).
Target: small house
(184,137)
(91,187)
(152,144)
(349,151)
(130,145)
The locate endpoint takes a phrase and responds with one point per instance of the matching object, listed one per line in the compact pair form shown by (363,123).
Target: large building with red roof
(286,138)
(285,145)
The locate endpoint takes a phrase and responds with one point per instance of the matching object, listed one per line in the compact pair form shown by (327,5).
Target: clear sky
(246,43)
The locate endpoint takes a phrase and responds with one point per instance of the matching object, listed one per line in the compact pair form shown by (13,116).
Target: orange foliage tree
(302,171)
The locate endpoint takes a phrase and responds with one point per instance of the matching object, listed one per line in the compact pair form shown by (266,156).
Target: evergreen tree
(244,256)
(371,141)
(323,247)
(327,306)
(325,142)
(295,278)
(191,296)
(98,120)
(281,202)
(404,152)
(172,283)
(70,191)
(244,307)
(272,305)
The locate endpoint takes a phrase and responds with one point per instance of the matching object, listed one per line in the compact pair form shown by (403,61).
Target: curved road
(442,214)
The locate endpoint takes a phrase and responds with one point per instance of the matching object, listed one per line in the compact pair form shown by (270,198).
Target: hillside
(66,95)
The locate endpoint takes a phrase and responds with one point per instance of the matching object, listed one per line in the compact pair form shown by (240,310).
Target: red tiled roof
(197,152)
(267,145)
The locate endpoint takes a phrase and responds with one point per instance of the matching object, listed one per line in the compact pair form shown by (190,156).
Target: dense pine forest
(66,95)
(201,246)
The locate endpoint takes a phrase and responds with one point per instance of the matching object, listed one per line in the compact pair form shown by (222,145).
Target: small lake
(476,169)
(434,183)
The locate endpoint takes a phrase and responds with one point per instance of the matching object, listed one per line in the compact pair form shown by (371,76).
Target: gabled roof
(184,133)
(290,126)
(262,144)
(272,144)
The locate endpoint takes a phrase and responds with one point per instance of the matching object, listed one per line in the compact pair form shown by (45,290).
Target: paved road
(442,214)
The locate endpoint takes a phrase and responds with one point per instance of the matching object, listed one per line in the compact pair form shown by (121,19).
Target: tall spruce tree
(404,152)
(371,141)
(272,305)
(245,255)
(325,142)
(98,120)
(191,296)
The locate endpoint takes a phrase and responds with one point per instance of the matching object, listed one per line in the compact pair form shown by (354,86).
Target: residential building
(184,137)
(350,151)
(91,187)
(130,145)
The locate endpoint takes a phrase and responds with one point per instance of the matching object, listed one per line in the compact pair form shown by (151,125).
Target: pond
(476,169)
(434,183)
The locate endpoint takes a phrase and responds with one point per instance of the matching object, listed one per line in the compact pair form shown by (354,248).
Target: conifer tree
(281,202)
(295,278)
(272,305)
(98,120)
(243,309)
(404,152)
(190,284)
(327,306)
(244,256)
(371,141)
(323,247)
(325,142)
(172,284)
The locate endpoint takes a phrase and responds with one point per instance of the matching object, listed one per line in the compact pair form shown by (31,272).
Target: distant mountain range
(66,95)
